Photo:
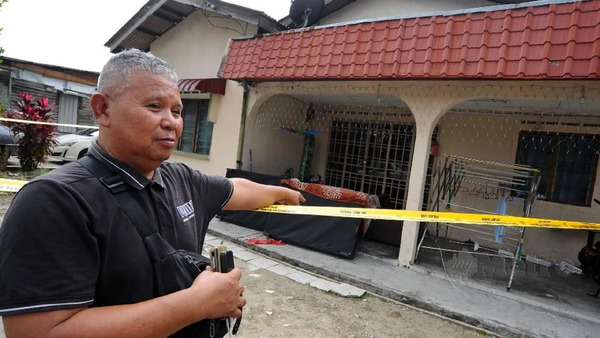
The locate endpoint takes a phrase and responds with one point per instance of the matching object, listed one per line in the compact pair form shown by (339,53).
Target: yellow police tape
(430,216)
(7,185)
(47,123)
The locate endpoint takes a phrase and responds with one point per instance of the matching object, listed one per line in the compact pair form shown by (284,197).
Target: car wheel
(82,153)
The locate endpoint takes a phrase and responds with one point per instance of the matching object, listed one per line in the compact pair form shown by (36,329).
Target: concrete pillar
(426,118)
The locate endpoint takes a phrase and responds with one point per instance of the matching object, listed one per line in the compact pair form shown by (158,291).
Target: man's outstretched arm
(248,195)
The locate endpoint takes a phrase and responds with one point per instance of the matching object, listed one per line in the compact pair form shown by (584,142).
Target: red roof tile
(555,41)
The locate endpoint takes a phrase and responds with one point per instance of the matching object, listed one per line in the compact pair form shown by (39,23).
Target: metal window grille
(567,162)
(372,157)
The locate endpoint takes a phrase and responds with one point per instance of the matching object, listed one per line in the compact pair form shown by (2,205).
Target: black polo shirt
(65,242)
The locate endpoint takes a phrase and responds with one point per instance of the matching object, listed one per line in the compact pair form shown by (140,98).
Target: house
(67,89)
(374,94)
(502,85)
(193,35)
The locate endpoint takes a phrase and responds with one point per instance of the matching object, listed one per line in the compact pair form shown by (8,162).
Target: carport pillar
(426,118)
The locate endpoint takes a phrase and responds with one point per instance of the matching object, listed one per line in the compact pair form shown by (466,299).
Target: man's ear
(99,104)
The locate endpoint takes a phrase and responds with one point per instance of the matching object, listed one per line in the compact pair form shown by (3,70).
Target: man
(71,262)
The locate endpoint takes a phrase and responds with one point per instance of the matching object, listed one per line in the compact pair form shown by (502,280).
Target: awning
(214,86)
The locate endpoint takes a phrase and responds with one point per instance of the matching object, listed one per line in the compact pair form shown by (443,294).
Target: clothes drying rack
(460,183)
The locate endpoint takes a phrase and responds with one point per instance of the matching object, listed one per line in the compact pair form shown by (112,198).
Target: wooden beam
(173,11)
(147,31)
(167,18)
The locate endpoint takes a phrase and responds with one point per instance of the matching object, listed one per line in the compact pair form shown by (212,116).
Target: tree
(36,140)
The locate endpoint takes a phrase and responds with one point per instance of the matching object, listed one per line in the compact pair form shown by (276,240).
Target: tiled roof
(552,41)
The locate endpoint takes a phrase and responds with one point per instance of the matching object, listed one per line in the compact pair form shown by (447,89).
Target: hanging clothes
(500,231)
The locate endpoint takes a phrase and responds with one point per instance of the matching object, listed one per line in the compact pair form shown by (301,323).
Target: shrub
(36,140)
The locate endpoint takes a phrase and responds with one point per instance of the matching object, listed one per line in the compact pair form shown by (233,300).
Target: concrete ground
(541,303)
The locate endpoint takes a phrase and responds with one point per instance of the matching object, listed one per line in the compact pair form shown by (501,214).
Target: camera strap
(156,246)
(115,184)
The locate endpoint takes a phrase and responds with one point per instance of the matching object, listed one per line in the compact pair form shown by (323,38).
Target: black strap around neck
(115,184)
(156,246)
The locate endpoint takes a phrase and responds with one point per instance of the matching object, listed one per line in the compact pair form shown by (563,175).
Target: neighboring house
(516,84)
(67,89)
(192,35)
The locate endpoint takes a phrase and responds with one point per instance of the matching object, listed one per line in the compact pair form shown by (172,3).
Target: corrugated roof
(552,41)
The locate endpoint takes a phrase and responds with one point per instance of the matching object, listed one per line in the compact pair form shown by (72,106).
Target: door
(371,157)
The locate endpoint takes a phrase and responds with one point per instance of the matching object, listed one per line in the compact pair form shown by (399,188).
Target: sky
(72,33)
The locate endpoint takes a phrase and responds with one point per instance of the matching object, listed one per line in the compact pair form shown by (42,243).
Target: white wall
(274,150)
(195,47)
(319,164)
(369,9)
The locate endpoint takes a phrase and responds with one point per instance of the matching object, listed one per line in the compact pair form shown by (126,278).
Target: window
(197,130)
(567,164)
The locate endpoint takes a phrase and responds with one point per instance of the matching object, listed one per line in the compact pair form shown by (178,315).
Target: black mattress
(249,219)
(333,235)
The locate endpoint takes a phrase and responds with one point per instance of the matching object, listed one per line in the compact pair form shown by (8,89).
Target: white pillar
(426,118)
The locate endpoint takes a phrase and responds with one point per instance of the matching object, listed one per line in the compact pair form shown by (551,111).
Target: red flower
(43,102)
(26,97)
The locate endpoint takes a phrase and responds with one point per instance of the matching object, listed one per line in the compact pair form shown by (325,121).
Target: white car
(72,147)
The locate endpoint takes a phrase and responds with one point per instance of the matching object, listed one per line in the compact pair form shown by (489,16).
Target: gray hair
(116,73)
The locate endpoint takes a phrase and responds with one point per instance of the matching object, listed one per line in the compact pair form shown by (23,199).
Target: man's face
(145,121)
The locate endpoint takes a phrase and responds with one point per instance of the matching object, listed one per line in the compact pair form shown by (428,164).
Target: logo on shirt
(186,211)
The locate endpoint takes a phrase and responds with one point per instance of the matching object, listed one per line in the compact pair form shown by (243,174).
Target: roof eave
(147,10)
(444,13)
(226,9)
(335,5)
(10,60)
(270,25)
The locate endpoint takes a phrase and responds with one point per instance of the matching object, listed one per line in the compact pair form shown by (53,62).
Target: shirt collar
(129,175)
